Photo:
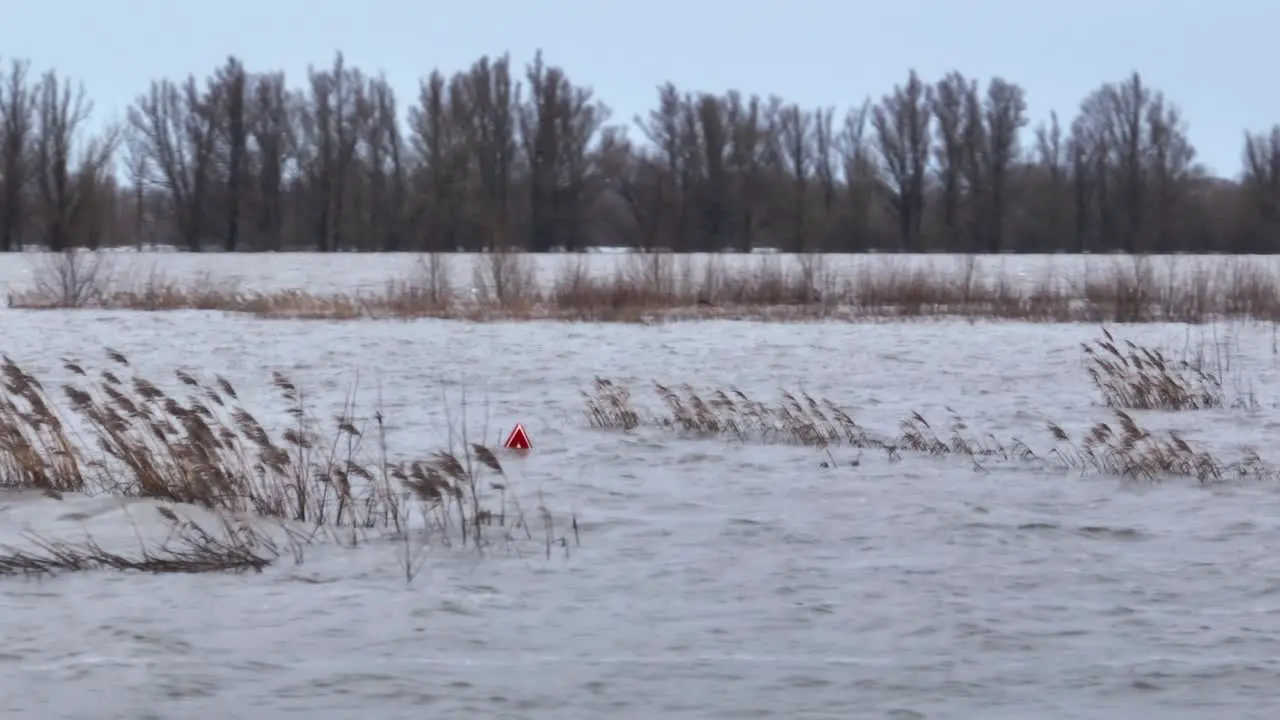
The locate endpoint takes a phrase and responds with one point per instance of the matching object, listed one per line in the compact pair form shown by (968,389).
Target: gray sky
(1217,60)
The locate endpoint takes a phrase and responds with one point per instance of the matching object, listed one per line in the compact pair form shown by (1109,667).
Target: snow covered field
(714,579)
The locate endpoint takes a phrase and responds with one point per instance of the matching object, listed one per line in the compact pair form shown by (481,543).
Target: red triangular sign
(518,439)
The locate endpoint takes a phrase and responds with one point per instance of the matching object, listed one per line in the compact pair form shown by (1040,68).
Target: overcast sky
(1218,60)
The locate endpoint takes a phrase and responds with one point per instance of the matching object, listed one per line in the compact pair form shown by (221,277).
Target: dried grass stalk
(199,445)
(1135,377)
(799,419)
(233,547)
(661,286)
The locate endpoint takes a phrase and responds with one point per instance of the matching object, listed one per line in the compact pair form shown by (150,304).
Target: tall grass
(234,546)
(1126,450)
(1140,378)
(118,432)
(659,287)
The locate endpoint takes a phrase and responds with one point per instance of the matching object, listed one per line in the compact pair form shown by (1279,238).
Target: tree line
(498,157)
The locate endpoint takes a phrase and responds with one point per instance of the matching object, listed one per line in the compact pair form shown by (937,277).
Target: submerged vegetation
(123,435)
(236,546)
(1125,450)
(1142,379)
(115,432)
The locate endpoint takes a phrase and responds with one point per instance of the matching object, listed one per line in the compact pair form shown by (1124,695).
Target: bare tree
(713,132)
(581,116)
(72,278)
(748,137)
(1262,183)
(438,140)
(826,169)
(492,160)
(901,122)
(796,139)
(70,169)
(557,127)
(1111,124)
(177,127)
(639,180)
(949,111)
(1051,204)
(493,98)
(662,129)
(271,130)
(693,178)
(384,164)
(138,166)
(1169,158)
(329,136)
(1005,115)
(17,110)
(1121,127)
(230,85)
(861,172)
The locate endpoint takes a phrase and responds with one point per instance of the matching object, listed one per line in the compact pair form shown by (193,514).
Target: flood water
(714,579)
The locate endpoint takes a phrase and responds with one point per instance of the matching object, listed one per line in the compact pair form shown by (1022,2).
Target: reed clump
(120,433)
(799,419)
(1128,450)
(234,547)
(1135,377)
(608,405)
(452,488)
(918,435)
(795,420)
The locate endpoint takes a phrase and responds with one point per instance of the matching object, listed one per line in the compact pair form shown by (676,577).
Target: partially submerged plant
(233,547)
(1141,378)
(608,405)
(450,486)
(1131,451)
(200,445)
(795,420)
(919,436)
(803,420)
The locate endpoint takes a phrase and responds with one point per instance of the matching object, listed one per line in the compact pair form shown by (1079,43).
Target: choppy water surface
(714,580)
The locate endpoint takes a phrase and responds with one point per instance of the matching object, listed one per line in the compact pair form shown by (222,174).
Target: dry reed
(190,548)
(205,448)
(799,419)
(659,287)
(1135,453)
(796,420)
(1141,378)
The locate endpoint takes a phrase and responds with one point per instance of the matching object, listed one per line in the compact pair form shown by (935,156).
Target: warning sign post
(518,439)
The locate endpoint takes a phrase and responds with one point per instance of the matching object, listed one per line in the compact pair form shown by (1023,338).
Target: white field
(714,580)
